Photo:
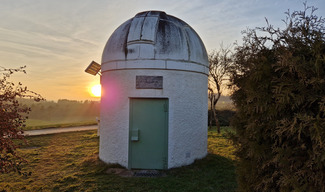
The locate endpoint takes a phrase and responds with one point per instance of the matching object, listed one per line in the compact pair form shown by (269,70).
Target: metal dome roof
(154,35)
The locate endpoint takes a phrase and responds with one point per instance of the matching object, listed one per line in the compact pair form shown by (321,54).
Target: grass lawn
(69,162)
(33,124)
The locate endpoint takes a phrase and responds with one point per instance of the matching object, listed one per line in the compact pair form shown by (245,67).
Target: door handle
(135,135)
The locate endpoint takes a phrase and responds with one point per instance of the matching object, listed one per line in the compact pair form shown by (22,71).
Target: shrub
(12,119)
(224,117)
(279,93)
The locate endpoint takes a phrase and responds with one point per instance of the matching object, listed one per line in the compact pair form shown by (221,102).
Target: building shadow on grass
(212,173)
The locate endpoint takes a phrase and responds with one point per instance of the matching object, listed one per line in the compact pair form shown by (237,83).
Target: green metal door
(148,134)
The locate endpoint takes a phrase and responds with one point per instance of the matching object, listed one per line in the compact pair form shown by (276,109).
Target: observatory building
(154,94)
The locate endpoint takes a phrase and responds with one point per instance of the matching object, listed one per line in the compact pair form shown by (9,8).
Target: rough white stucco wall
(188,107)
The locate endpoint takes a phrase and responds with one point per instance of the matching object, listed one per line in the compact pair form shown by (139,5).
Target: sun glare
(96,90)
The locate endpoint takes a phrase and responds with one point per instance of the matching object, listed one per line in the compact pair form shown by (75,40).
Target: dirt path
(59,130)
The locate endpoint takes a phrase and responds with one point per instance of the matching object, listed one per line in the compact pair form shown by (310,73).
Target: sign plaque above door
(149,82)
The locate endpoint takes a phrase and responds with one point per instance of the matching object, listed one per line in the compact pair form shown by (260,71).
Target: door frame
(166,139)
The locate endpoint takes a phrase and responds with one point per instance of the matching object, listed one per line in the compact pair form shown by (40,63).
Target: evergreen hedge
(279,92)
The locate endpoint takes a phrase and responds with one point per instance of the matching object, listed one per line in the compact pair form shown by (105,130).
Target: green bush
(279,94)
(224,117)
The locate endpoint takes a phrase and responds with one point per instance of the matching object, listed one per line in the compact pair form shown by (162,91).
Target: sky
(57,39)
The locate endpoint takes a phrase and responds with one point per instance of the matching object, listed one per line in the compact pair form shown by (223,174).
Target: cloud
(58,39)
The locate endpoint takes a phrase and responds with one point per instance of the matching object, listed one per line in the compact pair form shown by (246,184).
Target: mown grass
(33,124)
(219,144)
(69,162)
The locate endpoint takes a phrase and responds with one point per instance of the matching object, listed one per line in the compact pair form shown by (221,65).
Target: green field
(69,162)
(63,113)
(70,113)
(32,124)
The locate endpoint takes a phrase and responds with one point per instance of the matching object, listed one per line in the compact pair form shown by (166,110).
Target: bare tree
(220,62)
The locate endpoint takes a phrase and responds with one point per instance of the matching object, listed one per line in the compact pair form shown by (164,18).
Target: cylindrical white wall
(155,44)
(188,107)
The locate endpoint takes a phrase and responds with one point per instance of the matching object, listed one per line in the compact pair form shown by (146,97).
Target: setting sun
(96,90)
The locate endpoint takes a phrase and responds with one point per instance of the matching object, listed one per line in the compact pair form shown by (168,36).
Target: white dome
(154,35)
(154,58)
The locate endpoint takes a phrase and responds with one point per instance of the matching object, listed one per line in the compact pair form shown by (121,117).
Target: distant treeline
(77,111)
(63,109)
